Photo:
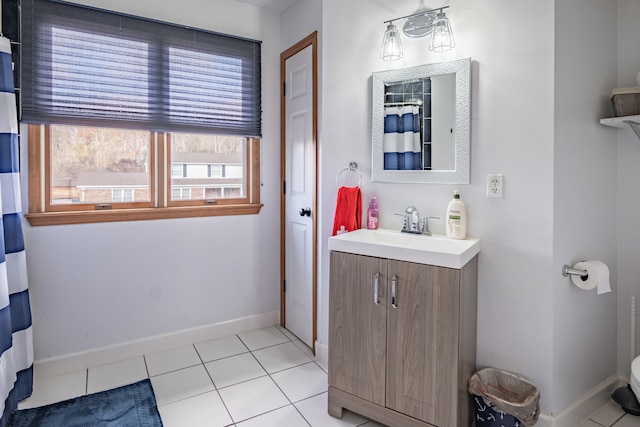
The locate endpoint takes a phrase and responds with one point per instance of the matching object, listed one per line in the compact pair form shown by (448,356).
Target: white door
(300,183)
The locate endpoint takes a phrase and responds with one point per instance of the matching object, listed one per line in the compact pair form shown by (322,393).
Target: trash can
(503,399)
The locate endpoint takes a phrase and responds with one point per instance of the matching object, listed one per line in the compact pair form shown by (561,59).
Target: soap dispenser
(372,215)
(456,218)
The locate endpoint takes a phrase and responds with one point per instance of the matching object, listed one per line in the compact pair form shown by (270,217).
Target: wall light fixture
(431,22)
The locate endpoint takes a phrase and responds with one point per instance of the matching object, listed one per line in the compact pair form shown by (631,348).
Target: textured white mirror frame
(462,70)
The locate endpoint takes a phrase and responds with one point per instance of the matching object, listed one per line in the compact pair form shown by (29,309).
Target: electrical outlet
(495,185)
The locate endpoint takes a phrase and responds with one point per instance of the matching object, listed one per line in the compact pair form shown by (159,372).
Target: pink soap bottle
(372,215)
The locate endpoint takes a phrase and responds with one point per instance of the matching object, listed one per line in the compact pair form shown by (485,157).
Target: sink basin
(422,249)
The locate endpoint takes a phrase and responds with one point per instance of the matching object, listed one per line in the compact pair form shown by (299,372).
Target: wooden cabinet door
(422,336)
(357,326)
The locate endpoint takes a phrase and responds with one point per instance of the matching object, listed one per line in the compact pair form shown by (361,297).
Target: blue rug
(128,406)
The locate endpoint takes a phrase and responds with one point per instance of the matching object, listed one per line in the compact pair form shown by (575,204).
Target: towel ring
(353,167)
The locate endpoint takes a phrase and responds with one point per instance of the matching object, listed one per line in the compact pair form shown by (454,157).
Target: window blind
(86,66)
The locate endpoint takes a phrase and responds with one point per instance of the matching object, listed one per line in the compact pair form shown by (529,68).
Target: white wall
(584,211)
(628,146)
(102,284)
(298,21)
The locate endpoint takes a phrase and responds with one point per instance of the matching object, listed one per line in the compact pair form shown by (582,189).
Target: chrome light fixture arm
(423,12)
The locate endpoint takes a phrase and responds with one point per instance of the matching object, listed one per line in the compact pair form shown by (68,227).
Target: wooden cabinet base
(339,400)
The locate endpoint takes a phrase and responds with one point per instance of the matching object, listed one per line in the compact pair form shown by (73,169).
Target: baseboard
(322,351)
(583,407)
(68,363)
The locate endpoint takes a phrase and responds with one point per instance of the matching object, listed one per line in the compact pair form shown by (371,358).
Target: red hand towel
(348,209)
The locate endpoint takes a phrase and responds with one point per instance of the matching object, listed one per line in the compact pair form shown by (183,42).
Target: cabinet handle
(376,300)
(393,291)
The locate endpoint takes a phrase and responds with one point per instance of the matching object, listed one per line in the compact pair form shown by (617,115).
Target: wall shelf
(623,122)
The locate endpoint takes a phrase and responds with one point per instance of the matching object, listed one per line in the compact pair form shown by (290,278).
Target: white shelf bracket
(635,126)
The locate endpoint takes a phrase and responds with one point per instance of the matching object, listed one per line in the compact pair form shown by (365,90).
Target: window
(172,118)
(202,160)
(181,193)
(90,166)
(177,170)
(122,195)
(100,174)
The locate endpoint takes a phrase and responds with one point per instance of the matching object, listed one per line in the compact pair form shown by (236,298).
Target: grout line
(225,357)
(217,390)
(146,365)
(268,346)
(264,413)
(321,368)
(618,420)
(301,414)
(175,370)
(241,382)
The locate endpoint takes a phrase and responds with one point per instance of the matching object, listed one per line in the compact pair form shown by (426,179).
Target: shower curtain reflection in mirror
(402,142)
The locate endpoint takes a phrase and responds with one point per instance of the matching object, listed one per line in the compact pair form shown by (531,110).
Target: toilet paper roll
(598,276)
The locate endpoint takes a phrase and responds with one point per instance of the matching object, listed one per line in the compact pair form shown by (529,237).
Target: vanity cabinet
(402,340)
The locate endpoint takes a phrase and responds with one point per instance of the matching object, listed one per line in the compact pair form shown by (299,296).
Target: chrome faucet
(412,224)
(413,220)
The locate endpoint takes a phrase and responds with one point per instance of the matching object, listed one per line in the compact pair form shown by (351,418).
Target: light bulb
(391,45)
(442,36)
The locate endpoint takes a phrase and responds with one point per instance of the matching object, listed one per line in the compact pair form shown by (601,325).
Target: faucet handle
(425,224)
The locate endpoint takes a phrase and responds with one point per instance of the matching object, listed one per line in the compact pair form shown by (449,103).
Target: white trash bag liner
(507,392)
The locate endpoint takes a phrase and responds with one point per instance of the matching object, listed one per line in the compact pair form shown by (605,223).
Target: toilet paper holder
(566,271)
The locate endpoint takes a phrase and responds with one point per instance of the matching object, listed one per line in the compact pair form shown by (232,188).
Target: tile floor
(610,415)
(261,378)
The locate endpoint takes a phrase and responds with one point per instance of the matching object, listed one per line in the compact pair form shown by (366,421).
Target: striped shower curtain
(16,343)
(401,145)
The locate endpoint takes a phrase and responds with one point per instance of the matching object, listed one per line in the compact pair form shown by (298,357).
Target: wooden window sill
(142,214)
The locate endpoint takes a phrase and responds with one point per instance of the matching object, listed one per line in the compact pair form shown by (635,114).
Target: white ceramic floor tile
(252,398)
(264,337)
(115,375)
(608,414)
(372,424)
(589,423)
(172,360)
(304,348)
(54,389)
(279,357)
(220,348)
(628,421)
(182,384)
(314,410)
(323,364)
(287,332)
(235,369)
(302,381)
(287,416)
(204,410)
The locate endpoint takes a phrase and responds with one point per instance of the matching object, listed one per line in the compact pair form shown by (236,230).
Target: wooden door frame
(310,40)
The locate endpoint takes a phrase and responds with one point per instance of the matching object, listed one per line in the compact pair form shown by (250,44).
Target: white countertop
(393,244)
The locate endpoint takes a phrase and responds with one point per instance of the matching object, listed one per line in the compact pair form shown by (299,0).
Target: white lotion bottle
(456,218)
